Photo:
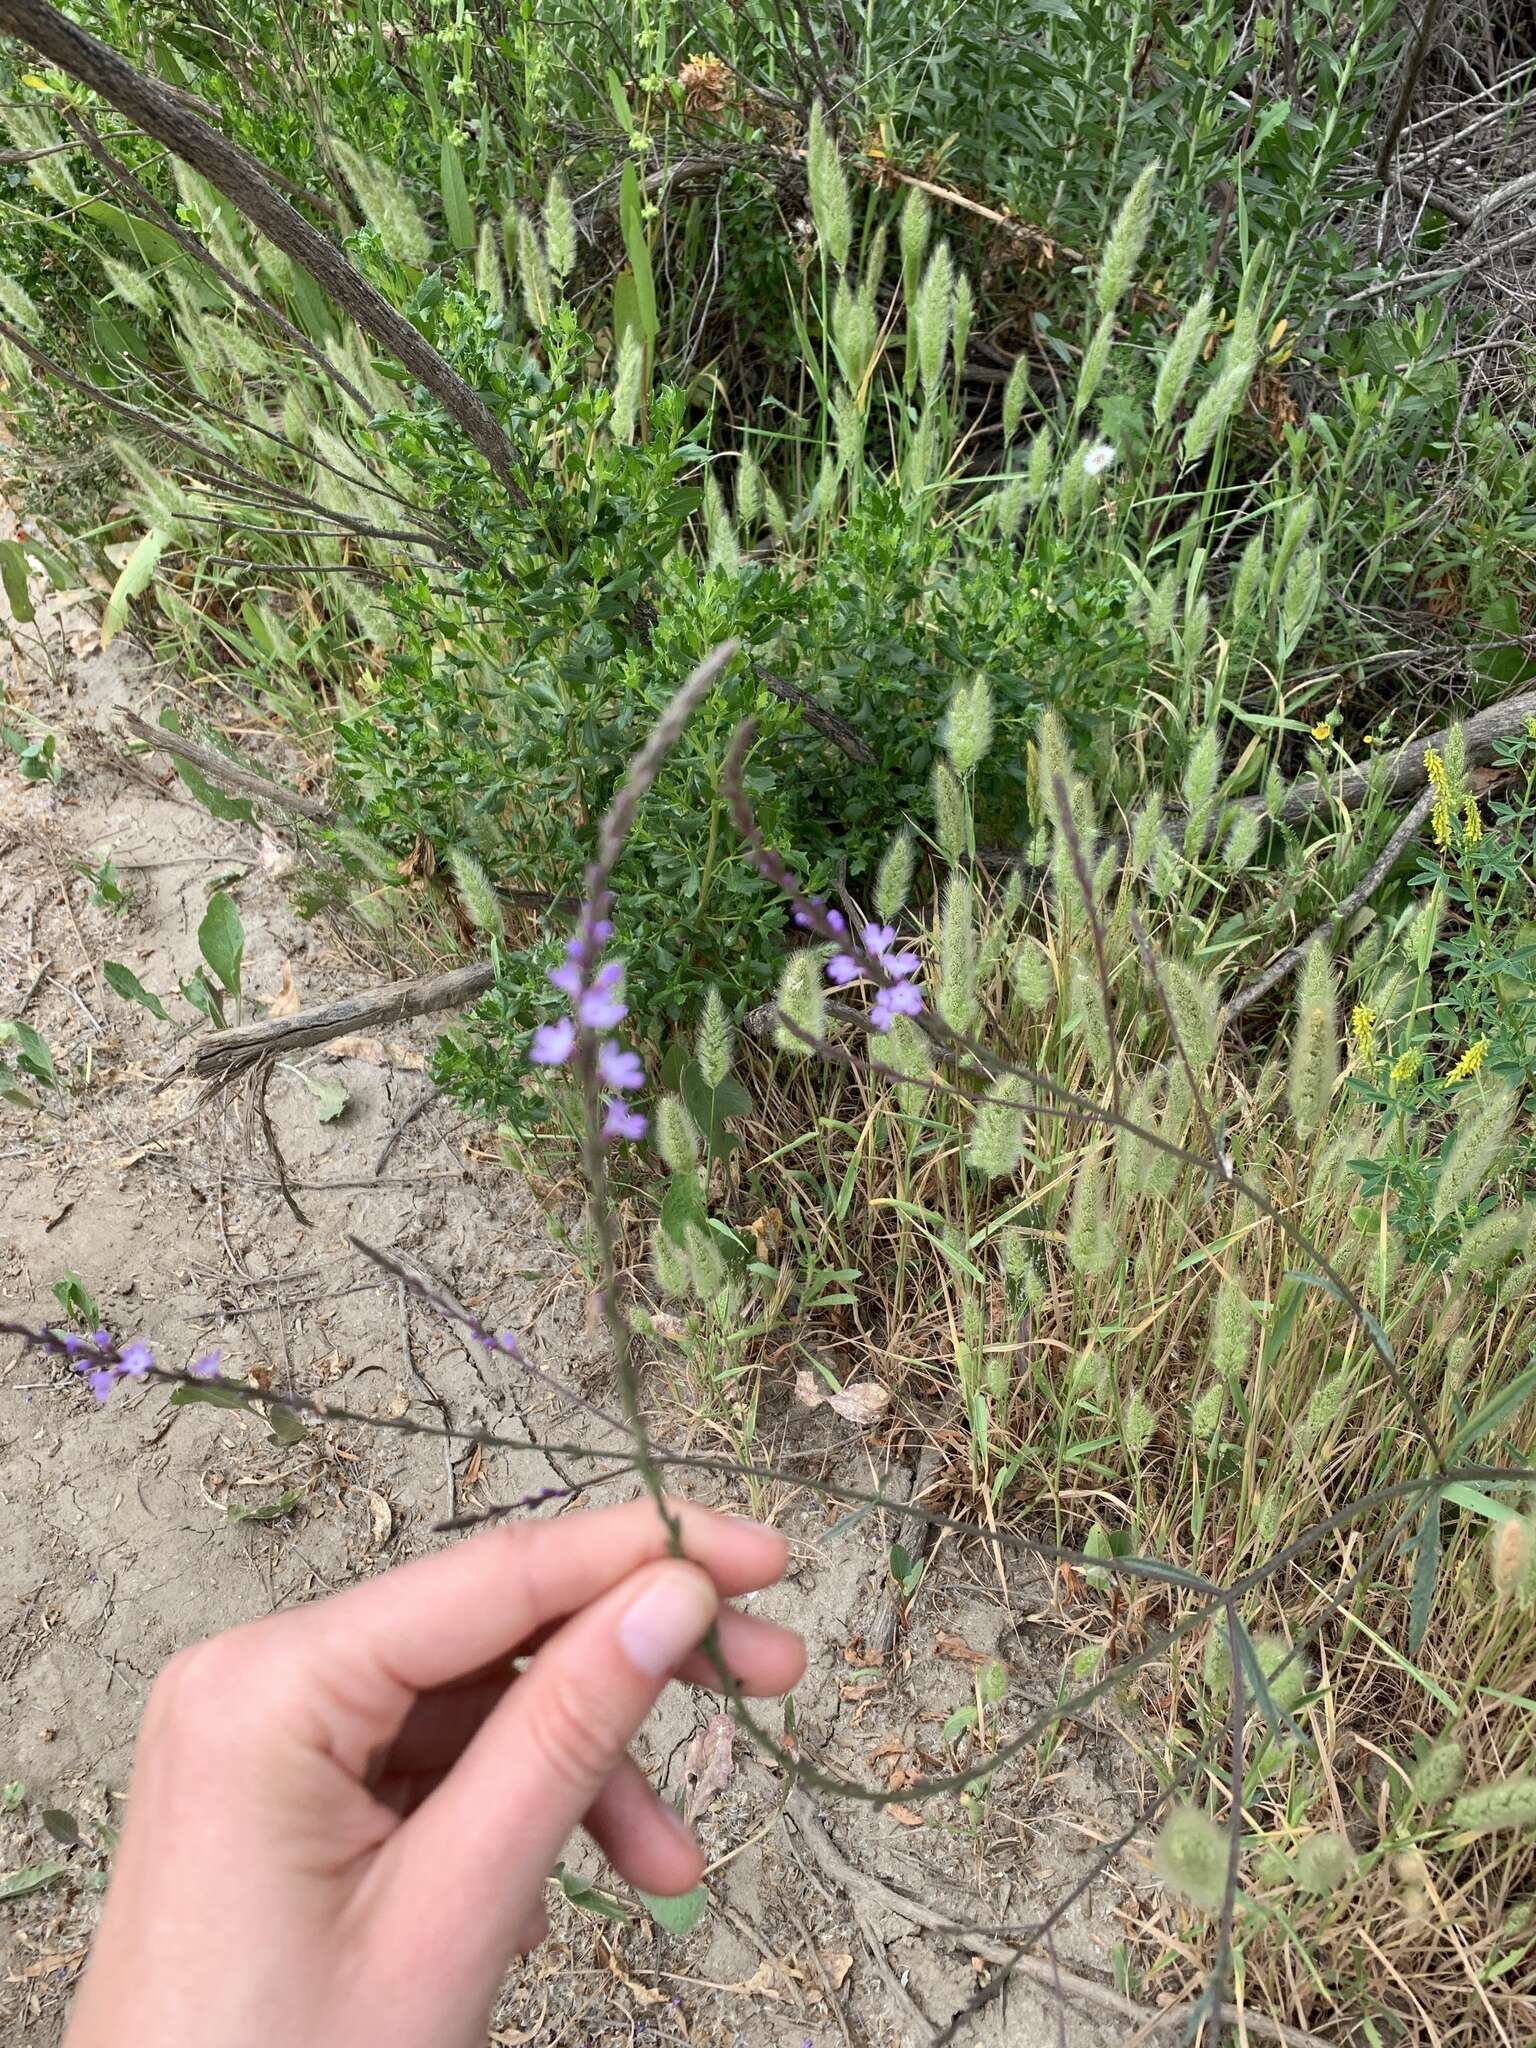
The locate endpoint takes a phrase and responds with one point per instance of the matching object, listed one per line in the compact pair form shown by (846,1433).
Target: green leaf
(632,226)
(286,1425)
(133,579)
(214,1395)
(331,1098)
(1478,1503)
(221,941)
(1496,1411)
(582,1892)
(61,1825)
(13,573)
(709,1108)
(124,982)
(268,1511)
(32,1054)
(20,1882)
(203,997)
(12,1091)
(962,1719)
(678,1915)
(456,207)
(229,810)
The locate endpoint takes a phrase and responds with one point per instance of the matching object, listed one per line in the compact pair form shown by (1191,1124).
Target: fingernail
(667,1619)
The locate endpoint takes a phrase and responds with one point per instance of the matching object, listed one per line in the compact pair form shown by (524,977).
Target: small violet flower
(901,999)
(622,1121)
(617,1068)
(597,1005)
(553,1043)
(135,1361)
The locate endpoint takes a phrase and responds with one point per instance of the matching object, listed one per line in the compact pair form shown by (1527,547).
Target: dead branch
(246,183)
(219,768)
(1363,890)
(827,723)
(220,1055)
(1403,772)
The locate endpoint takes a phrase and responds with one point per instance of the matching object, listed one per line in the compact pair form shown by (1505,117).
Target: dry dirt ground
(128,1530)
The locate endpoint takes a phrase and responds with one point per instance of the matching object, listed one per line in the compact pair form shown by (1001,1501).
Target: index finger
(372,1649)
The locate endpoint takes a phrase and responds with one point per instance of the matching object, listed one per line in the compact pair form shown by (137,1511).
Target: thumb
(495,1827)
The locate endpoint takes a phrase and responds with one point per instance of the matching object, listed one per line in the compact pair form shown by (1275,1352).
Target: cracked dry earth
(133,1530)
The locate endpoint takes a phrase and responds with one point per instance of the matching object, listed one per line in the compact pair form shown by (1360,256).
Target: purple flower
(900,999)
(136,1361)
(843,968)
(878,939)
(617,1068)
(832,919)
(102,1382)
(622,1121)
(102,1340)
(207,1366)
(567,979)
(553,1043)
(599,1008)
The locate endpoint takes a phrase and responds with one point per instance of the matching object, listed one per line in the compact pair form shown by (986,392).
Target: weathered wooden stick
(219,1055)
(219,768)
(1403,771)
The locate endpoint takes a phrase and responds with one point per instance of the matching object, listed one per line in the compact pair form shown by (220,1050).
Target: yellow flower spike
(1362,1029)
(1469,1062)
(1439,782)
(1472,828)
(1404,1068)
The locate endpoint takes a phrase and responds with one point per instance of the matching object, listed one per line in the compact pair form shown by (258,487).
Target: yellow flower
(1362,1027)
(1404,1068)
(1469,1062)
(1439,782)
(1322,731)
(1472,829)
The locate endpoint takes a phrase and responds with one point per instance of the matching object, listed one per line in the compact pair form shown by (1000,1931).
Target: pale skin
(342,1819)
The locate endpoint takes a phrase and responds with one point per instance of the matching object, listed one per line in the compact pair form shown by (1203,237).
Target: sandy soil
(125,1537)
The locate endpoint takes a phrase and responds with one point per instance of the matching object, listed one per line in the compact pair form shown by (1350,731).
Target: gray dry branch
(247,184)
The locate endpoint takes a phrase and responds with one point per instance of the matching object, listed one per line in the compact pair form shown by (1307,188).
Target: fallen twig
(217,1055)
(827,723)
(1368,883)
(219,768)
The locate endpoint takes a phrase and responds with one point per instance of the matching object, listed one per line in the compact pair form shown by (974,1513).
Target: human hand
(342,1818)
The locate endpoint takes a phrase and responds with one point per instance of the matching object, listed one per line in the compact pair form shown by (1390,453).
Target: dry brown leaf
(837,1968)
(377,1052)
(766,1231)
(708,1766)
(381,1521)
(906,1816)
(862,1402)
(761,1984)
(672,1329)
(956,1646)
(643,1994)
(286,1002)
